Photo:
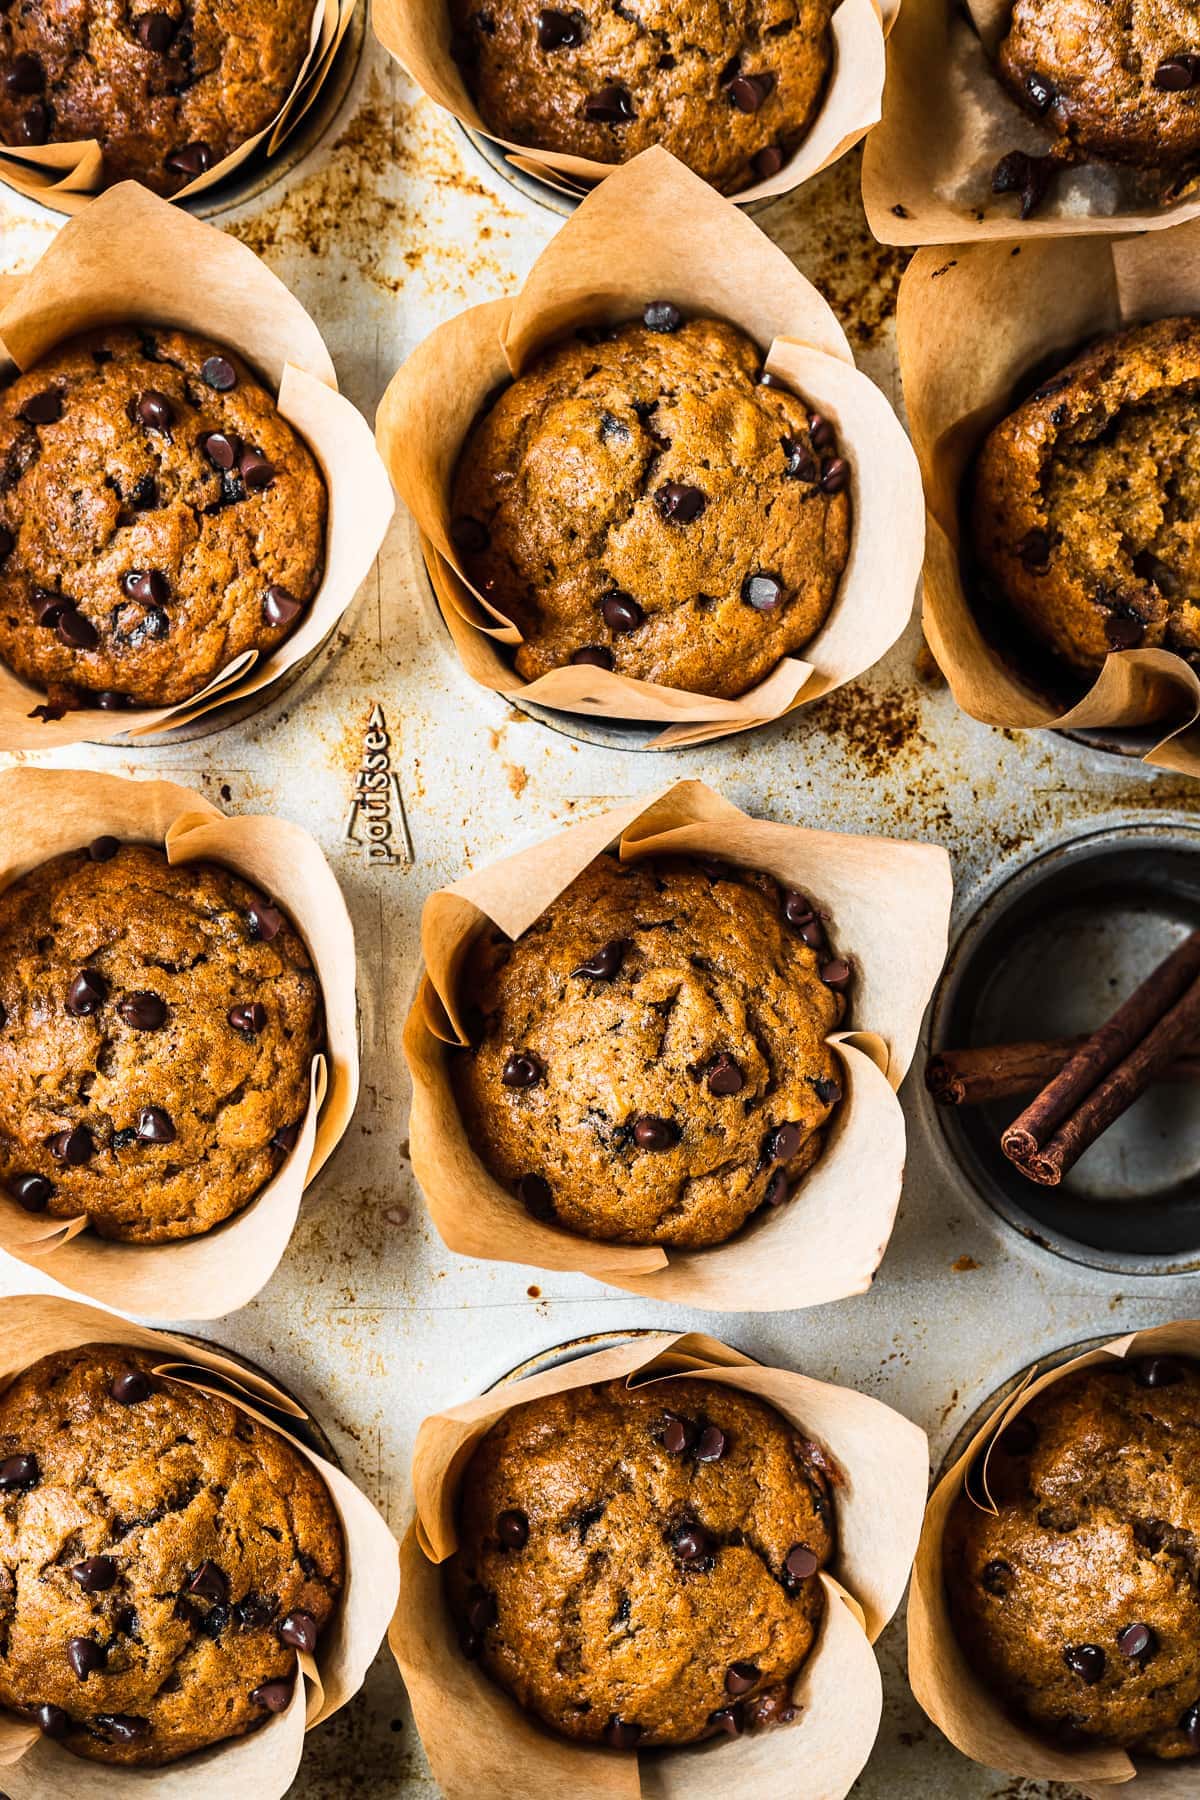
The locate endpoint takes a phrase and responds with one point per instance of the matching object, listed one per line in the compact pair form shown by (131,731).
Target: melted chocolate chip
(95,1574)
(660,315)
(1086,1661)
(219,373)
(256,471)
(801,1562)
(559,30)
(155,1126)
(1175,73)
(124,1728)
(836,973)
(210,1582)
(740,1677)
(85,1656)
(621,1734)
(481,1610)
(676,1437)
(156,32)
(73,1147)
(828,1092)
(621,612)
(299,1629)
(249,1018)
(1028,176)
(74,630)
(1138,1642)
(782,1143)
(512,1528)
(154,410)
(19,1473)
(680,502)
(147,585)
(52,1721)
(1190,1725)
(692,1544)
(762,591)
(280,608)
(143,1012)
(777,1189)
(265,921)
(272,1696)
(727,1719)
(724,1076)
(221,448)
(800,466)
(1041,92)
(655,1134)
(286,1138)
(747,92)
(24,75)
(595,656)
(712,1445)
(130,1388)
(768,162)
(610,105)
(605,963)
(86,994)
(797,908)
(190,161)
(35,123)
(33,1192)
(835,476)
(521,1070)
(103,849)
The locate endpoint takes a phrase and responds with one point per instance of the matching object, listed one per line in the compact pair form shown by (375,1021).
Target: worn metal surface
(392,224)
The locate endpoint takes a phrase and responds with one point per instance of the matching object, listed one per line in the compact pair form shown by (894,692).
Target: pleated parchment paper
(45,812)
(972,322)
(959,1704)
(133,258)
(888,905)
(262,1765)
(652,231)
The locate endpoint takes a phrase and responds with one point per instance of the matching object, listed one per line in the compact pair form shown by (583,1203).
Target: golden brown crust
(729,89)
(709,973)
(1097,1532)
(175,945)
(168,1534)
(1087,503)
(174,565)
(562,488)
(610,1576)
(77,69)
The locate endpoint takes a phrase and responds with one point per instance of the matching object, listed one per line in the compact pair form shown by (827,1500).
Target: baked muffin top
(731,90)
(1087,500)
(1117,79)
(1079,1601)
(639,1565)
(158,517)
(158,1030)
(649,1060)
(162,1558)
(168,88)
(641,500)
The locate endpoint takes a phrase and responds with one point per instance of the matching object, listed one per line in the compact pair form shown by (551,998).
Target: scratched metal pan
(1051,953)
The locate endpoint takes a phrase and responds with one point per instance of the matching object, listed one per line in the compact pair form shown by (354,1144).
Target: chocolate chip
(536,1196)
(85,1656)
(35,123)
(19,1473)
(469,536)
(676,1436)
(740,1677)
(45,408)
(1019,1438)
(559,30)
(74,630)
(777,1189)
(655,1134)
(47,608)
(594,656)
(761,591)
(727,1719)
(821,431)
(155,1126)
(1041,94)
(801,1562)
(299,1629)
(1124,630)
(747,92)
(712,1445)
(621,1734)
(828,1092)
(835,973)
(130,1388)
(221,448)
(835,476)
(155,31)
(692,1543)
(272,1696)
(609,105)
(1175,73)
(95,1574)
(24,75)
(1157,1371)
(280,608)
(144,495)
(124,1728)
(154,410)
(605,964)
(481,1609)
(800,466)
(265,921)
(768,162)
(512,1528)
(255,470)
(1137,1641)
(996,1577)
(73,1147)
(1034,550)
(782,1143)
(660,315)
(253,1612)
(7,541)
(33,1193)
(191,160)
(1086,1661)
(144,1012)
(210,1582)
(613,430)
(52,1721)
(1190,1725)
(103,849)
(147,585)
(86,994)
(286,1138)
(1028,176)
(249,1018)
(724,1076)
(679,502)
(521,1071)
(621,612)
(219,373)
(797,908)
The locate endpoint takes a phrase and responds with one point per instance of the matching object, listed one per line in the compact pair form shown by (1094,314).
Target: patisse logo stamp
(376,819)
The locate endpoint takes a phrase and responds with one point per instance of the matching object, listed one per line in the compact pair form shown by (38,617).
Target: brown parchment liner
(947,121)
(654,230)
(417,33)
(475,1736)
(262,1765)
(888,904)
(955,1699)
(67,176)
(972,322)
(44,812)
(132,257)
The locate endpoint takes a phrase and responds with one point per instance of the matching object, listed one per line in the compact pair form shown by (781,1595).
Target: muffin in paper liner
(46,812)
(974,322)
(132,258)
(475,1735)
(947,121)
(655,231)
(262,1765)
(66,176)
(889,905)
(417,33)
(955,1698)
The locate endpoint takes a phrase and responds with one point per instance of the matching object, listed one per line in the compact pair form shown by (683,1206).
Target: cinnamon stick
(1100,1054)
(988,1072)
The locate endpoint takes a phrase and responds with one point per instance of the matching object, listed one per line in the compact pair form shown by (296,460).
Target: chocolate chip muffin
(649,1061)
(638,1566)
(162,1559)
(1087,500)
(645,500)
(158,518)
(167,89)
(729,90)
(157,1031)
(1078,1601)
(1115,79)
